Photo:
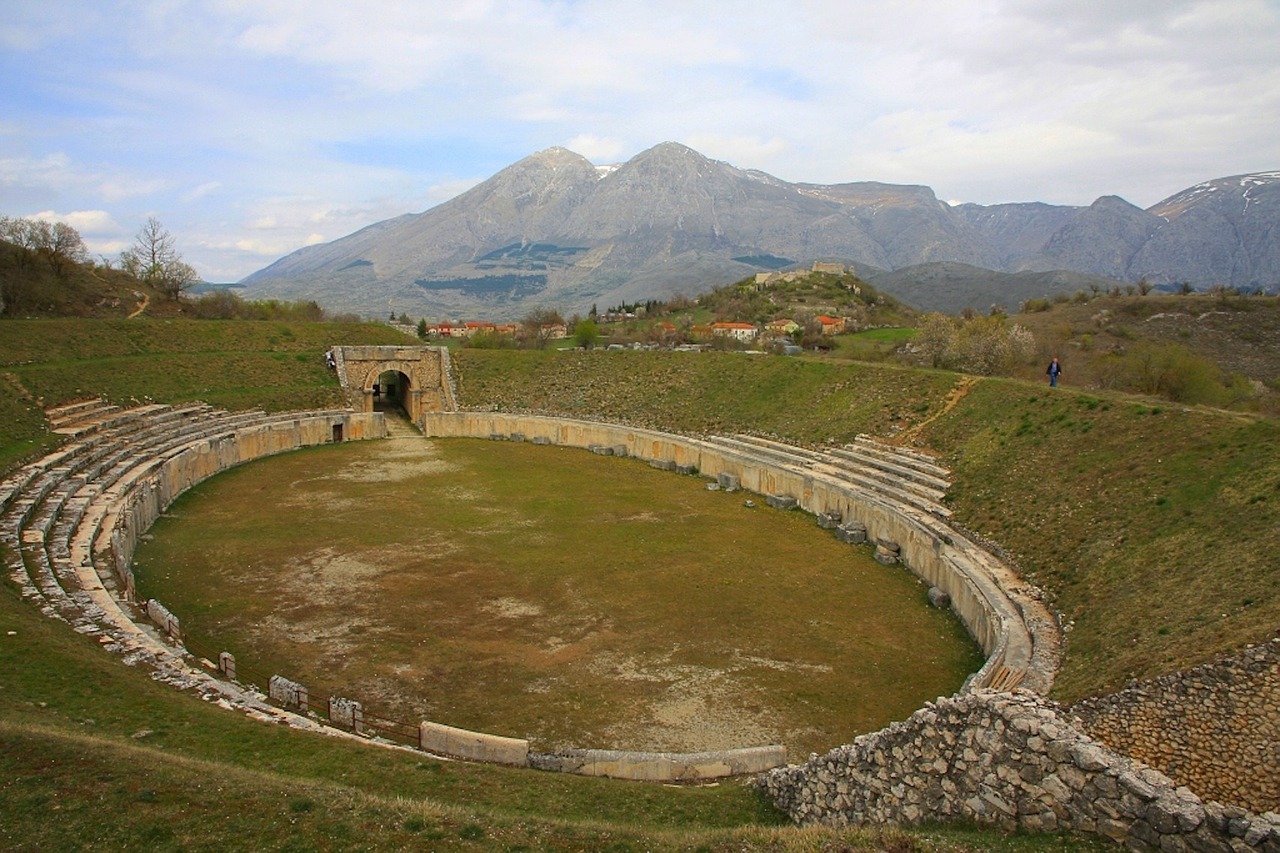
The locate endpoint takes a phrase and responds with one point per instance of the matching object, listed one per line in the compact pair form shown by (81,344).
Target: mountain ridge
(553,229)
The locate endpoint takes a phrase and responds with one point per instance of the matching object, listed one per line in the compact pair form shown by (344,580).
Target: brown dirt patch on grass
(549,593)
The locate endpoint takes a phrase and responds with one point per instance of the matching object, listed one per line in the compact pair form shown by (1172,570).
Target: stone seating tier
(46,502)
(115,473)
(872,477)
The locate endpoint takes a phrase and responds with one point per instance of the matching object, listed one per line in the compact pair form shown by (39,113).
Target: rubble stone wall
(1215,728)
(1015,761)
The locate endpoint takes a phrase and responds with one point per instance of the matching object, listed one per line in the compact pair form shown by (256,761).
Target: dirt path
(957,393)
(142,306)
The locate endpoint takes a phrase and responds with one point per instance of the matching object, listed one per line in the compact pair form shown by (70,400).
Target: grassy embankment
(1160,519)
(1153,527)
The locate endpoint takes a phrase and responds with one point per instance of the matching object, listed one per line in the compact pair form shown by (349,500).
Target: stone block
(829,520)
(1090,757)
(884,556)
(853,532)
(288,693)
(686,469)
(517,436)
(347,713)
(666,766)
(663,464)
(540,440)
(476,746)
(166,621)
(782,501)
(227,665)
(939,598)
(1116,830)
(1132,784)
(620,450)
(728,482)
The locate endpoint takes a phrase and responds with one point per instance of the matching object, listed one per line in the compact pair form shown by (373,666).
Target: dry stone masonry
(1215,728)
(1014,761)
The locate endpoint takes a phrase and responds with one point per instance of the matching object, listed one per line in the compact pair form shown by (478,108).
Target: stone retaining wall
(1004,615)
(1015,761)
(147,498)
(1215,728)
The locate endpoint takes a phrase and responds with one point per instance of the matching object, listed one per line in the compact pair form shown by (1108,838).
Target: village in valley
(777,311)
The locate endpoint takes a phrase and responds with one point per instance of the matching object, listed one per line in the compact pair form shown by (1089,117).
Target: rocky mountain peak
(1234,186)
(555,230)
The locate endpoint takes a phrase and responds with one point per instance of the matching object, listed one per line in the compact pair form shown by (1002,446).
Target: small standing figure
(1054,371)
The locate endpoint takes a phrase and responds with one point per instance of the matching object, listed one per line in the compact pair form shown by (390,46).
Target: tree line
(49,256)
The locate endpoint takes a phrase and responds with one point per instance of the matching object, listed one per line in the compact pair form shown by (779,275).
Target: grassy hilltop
(1152,527)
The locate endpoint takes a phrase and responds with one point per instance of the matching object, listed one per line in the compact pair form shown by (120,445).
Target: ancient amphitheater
(996,753)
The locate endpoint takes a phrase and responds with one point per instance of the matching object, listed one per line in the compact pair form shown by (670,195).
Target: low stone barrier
(1015,761)
(476,746)
(165,620)
(288,693)
(663,766)
(347,713)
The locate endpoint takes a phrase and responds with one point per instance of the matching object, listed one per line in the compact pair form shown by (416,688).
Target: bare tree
(58,243)
(540,325)
(65,247)
(154,259)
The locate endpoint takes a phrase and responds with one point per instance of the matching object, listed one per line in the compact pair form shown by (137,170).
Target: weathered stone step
(922,462)
(928,483)
(873,479)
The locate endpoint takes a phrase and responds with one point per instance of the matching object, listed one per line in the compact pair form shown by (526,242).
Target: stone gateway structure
(418,379)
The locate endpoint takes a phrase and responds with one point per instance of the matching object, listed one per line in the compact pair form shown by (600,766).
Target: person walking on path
(1055,370)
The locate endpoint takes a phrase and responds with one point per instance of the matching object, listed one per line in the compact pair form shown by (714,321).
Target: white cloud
(53,170)
(261,248)
(255,127)
(87,222)
(197,193)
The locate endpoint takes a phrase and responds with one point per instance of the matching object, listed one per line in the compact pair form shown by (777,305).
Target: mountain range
(554,230)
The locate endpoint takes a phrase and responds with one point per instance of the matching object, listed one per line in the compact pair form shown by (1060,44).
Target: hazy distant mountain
(554,230)
(950,287)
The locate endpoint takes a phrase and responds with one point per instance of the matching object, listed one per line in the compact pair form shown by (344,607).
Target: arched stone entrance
(417,379)
(392,391)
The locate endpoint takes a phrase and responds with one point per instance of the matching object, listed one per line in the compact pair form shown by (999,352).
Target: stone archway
(392,389)
(423,378)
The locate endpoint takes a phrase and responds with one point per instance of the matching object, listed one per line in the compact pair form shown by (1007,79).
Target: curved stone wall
(82,509)
(1005,616)
(143,498)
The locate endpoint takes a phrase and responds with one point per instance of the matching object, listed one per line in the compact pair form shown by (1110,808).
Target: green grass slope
(1153,528)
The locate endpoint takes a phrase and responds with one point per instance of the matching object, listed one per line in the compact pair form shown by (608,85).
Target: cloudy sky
(250,128)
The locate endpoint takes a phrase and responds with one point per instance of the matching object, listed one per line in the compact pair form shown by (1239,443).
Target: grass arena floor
(552,594)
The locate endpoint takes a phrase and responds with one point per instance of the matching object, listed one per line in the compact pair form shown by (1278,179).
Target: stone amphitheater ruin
(997,753)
